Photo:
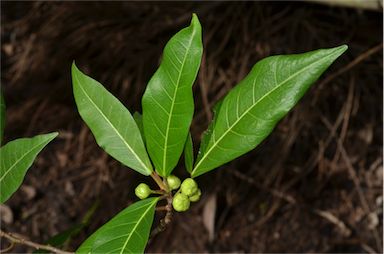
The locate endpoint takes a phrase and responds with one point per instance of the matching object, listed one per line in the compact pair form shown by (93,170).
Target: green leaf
(139,122)
(127,232)
(207,134)
(15,159)
(188,153)
(110,122)
(2,116)
(250,111)
(168,101)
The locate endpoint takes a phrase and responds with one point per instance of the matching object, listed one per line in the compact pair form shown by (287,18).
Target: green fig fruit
(173,182)
(142,191)
(189,187)
(195,197)
(180,202)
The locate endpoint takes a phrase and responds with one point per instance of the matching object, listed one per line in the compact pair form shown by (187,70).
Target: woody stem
(159,182)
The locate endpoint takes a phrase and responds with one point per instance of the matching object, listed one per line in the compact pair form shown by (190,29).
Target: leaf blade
(168,101)
(208,132)
(13,168)
(110,122)
(188,153)
(118,236)
(139,122)
(276,87)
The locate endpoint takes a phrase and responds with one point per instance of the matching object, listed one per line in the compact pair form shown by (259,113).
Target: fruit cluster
(187,192)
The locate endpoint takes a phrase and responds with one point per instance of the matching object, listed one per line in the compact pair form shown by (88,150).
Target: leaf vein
(110,123)
(215,144)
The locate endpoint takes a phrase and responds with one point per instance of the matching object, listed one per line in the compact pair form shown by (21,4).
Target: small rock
(6,214)
(29,191)
(373,221)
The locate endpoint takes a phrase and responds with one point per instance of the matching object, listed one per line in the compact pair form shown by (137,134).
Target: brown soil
(315,184)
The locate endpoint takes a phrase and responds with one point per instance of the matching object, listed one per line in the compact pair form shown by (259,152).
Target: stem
(9,248)
(167,218)
(161,192)
(167,208)
(159,182)
(161,208)
(16,239)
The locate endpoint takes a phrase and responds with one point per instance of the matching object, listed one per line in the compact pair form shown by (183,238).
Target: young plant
(153,143)
(17,156)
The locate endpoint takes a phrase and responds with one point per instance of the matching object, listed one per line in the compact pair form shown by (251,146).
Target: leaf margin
(6,194)
(87,245)
(165,163)
(146,166)
(337,51)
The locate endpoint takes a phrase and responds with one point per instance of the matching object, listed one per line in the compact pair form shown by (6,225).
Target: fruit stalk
(159,182)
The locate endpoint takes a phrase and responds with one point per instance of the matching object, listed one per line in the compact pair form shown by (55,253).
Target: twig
(356,182)
(360,193)
(373,5)
(16,239)
(276,193)
(161,208)
(167,218)
(291,200)
(347,113)
(159,182)
(350,167)
(160,192)
(9,248)
(344,230)
(323,146)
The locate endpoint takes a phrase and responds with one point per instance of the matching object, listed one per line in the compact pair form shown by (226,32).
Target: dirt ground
(314,185)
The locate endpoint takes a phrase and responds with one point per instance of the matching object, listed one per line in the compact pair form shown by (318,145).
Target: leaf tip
(54,134)
(338,51)
(51,136)
(342,48)
(195,21)
(194,17)
(74,67)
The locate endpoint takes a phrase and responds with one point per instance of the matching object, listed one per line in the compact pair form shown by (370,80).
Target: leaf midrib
(134,228)
(113,127)
(173,103)
(20,159)
(250,108)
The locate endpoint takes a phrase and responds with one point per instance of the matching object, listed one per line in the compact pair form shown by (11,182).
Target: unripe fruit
(195,197)
(173,182)
(180,202)
(189,187)
(142,191)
